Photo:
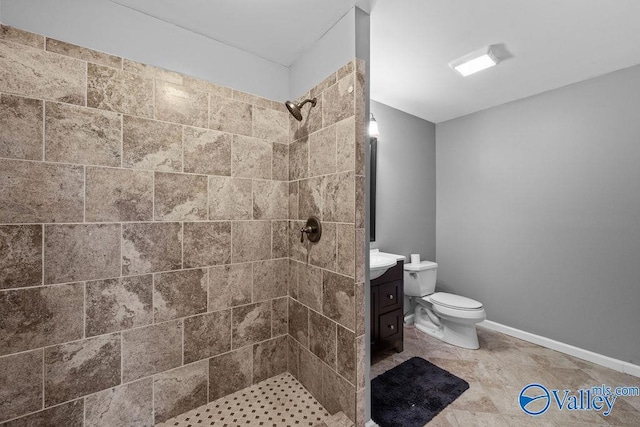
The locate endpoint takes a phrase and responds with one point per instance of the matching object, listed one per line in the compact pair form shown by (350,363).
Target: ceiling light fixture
(476,61)
(373,127)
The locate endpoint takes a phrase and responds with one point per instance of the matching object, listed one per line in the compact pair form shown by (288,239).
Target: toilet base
(459,334)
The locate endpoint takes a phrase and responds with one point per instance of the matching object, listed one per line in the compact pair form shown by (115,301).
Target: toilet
(448,317)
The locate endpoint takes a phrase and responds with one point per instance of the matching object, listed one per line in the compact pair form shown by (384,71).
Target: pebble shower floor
(278,401)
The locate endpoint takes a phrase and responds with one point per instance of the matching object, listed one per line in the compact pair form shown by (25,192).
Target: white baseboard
(598,359)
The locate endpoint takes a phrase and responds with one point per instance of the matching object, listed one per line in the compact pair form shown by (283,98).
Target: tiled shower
(150,245)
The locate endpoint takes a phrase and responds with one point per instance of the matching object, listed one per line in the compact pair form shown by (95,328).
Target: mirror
(373,148)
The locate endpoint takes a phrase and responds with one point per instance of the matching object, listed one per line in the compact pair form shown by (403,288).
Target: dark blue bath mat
(412,393)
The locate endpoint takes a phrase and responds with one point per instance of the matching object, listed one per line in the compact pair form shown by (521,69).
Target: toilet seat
(452,301)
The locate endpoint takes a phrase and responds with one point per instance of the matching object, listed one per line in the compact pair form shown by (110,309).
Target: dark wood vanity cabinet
(387,315)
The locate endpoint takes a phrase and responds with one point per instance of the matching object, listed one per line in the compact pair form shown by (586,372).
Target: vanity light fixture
(473,62)
(373,127)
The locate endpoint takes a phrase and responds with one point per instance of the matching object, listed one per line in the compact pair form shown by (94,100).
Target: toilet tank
(420,279)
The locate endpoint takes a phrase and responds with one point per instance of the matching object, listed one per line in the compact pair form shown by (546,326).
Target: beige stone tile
(21,261)
(151,72)
(360,254)
(68,49)
(311,121)
(299,159)
(293,199)
(250,241)
(126,405)
(339,299)
(251,324)
(299,322)
(361,359)
(339,198)
(21,121)
(205,86)
(82,135)
(270,125)
(38,192)
(346,69)
(310,197)
(360,201)
(311,373)
(230,372)
(337,394)
(178,104)
(179,294)
(251,158)
(38,74)
(310,286)
(280,164)
(293,356)
(206,243)
(317,90)
(294,267)
(338,101)
(269,358)
(151,247)
(115,195)
(322,338)
(21,379)
(346,249)
(207,335)
(38,317)
(151,349)
(270,279)
(346,144)
(347,355)
(81,252)
(149,144)
(230,285)
(82,367)
(180,197)
(229,115)
(251,99)
(360,307)
(362,146)
(121,91)
(270,199)
(466,418)
(279,316)
(180,390)
(230,198)
(323,152)
(207,152)
(68,414)
(323,253)
(20,36)
(116,304)
(279,239)
(475,399)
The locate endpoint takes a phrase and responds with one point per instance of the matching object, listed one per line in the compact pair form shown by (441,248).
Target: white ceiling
(552,43)
(277,30)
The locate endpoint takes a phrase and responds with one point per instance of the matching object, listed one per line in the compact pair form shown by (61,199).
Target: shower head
(296,108)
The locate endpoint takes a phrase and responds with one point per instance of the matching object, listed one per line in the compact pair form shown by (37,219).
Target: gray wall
(406,183)
(112,28)
(539,213)
(334,49)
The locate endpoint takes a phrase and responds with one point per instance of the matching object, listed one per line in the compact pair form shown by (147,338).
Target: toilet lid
(454,301)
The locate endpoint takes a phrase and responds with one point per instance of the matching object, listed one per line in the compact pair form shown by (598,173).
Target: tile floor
(500,369)
(280,401)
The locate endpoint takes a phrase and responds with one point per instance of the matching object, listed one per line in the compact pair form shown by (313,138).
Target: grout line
(84,310)
(84,198)
(43,380)
(44,131)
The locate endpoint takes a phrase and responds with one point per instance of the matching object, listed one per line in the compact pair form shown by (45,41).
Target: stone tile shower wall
(326,284)
(144,246)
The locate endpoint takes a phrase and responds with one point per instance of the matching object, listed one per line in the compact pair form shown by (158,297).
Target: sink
(379,262)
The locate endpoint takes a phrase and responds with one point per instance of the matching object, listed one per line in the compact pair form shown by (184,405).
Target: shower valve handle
(313,230)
